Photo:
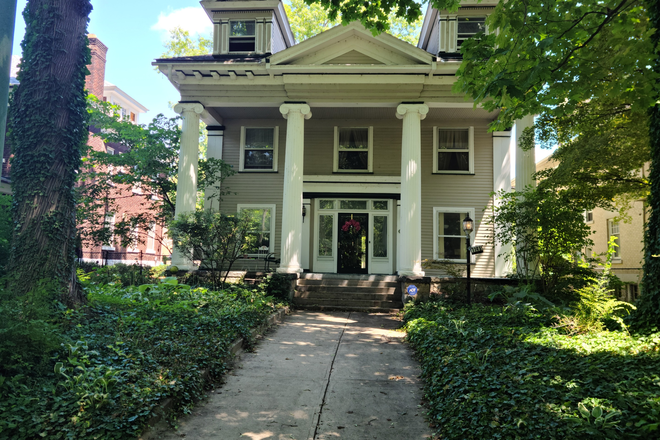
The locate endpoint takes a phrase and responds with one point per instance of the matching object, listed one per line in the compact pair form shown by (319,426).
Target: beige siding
(456,191)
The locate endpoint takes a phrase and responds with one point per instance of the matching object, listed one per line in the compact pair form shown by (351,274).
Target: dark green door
(352,243)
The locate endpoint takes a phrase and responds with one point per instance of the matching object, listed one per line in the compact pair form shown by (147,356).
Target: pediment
(352,45)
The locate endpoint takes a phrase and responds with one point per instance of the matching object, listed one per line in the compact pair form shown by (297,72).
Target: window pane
(353,160)
(450,161)
(259,137)
(380,236)
(453,139)
(258,159)
(354,138)
(260,218)
(451,248)
(241,28)
(450,223)
(381,204)
(471,25)
(259,234)
(353,204)
(241,44)
(326,229)
(327,204)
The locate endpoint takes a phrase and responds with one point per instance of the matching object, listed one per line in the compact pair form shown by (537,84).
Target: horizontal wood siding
(459,191)
(250,187)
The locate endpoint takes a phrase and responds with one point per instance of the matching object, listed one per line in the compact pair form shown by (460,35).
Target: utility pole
(7,19)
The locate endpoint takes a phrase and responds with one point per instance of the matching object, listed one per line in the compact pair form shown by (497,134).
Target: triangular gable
(352,42)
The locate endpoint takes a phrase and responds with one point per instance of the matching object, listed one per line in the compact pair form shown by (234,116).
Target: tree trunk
(49,130)
(648,307)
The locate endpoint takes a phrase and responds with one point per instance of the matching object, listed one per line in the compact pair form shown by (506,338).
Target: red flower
(354,224)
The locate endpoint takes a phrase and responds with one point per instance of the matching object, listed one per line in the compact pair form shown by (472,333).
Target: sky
(134,32)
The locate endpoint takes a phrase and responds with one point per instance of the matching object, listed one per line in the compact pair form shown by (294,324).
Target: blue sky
(134,32)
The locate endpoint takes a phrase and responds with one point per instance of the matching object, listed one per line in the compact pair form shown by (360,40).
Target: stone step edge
(235,350)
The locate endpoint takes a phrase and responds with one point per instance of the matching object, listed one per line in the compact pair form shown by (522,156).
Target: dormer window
(242,36)
(468,27)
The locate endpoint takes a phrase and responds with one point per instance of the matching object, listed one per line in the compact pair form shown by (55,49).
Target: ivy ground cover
(494,373)
(131,348)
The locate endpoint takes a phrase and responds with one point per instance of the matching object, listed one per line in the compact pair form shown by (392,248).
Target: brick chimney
(96,79)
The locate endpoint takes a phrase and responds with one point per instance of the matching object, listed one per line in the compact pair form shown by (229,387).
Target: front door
(352,243)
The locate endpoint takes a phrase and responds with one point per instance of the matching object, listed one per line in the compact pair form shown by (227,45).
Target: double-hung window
(468,27)
(242,36)
(262,227)
(453,150)
(151,238)
(109,224)
(449,243)
(353,149)
(613,231)
(258,149)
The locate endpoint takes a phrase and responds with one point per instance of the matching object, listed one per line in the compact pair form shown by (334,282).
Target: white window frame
(151,238)
(230,37)
(272,207)
(436,232)
(470,150)
(448,32)
(370,149)
(458,48)
(611,224)
(586,217)
(109,219)
(276,136)
(135,244)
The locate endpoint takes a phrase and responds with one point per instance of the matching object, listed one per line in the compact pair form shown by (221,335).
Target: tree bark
(49,130)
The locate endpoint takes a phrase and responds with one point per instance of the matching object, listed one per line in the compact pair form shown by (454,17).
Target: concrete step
(352,283)
(340,296)
(340,308)
(350,276)
(350,290)
(315,302)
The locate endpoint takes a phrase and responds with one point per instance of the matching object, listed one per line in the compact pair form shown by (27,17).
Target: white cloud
(192,19)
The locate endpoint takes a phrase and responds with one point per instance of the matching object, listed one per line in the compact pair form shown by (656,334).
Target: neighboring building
(128,200)
(629,233)
(350,148)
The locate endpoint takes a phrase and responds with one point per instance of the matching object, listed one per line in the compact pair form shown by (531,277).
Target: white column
(215,135)
(186,187)
(502,151)
(291,252)
(525,160)
(411,189)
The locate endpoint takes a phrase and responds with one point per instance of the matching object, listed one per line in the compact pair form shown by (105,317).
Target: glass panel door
(352,243)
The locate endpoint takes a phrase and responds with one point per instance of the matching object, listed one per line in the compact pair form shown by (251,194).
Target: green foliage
(181,44)
(215,238)
(48,131)
(121,275)
(546,228)
(521,296)
(6,230)
(29,330)
(133,347)
(149,162)
(309,19)
(495,372)
(278,286)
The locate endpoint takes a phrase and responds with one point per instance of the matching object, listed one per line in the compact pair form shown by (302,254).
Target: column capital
(183,107)
(303,109)
(404,109)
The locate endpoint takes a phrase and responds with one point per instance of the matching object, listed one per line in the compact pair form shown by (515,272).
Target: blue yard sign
(412,290)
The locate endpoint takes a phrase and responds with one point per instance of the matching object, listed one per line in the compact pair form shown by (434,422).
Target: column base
(289,270)
(411,273)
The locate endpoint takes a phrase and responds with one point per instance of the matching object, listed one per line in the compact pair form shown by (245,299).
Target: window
(262,232)
(468,27)
(613,231)
(151,238)
(449,243)
(353,149)
(133,247)
(588,216)
(258,149)
(241,36)
(109,224)
(453,151)
(110,150)
(326,235)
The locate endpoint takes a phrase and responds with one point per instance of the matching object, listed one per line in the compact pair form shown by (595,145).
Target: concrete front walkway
(317,376)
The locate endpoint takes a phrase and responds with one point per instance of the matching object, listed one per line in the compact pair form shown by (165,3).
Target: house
(128,200)
(351,148)
(629,236)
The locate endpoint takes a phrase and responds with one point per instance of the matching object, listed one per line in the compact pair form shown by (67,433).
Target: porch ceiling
(351,113)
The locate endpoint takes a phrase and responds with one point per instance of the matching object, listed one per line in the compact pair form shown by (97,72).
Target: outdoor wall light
(304,213)
(468,227)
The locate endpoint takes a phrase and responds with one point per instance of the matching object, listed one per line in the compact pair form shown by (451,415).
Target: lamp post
(468,227)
